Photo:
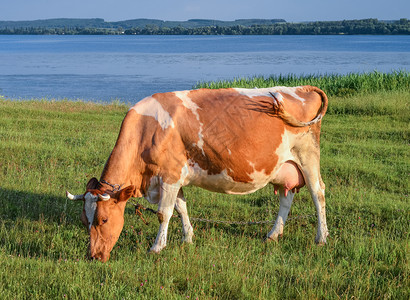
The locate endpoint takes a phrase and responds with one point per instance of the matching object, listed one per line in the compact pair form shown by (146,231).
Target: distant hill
(56,23)
(136,23)
(204,27)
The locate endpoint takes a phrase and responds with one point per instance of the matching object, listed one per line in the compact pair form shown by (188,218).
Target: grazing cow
(232,141)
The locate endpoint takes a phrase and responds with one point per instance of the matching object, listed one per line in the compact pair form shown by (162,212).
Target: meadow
(48,147)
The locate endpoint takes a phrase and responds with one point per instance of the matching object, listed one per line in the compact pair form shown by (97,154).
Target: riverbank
(50,146)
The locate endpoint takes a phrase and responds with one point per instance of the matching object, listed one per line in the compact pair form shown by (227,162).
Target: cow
(231,140)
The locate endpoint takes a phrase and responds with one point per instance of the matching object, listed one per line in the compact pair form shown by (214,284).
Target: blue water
(128,68)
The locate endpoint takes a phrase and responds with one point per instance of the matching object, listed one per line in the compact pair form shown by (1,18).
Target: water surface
(103,68)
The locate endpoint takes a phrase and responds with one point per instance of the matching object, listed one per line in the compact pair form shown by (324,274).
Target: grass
(334,85)
(48,147)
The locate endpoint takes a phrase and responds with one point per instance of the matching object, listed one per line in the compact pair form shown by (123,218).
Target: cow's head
(103,215)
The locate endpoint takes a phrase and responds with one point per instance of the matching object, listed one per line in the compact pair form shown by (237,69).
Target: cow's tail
(290,120)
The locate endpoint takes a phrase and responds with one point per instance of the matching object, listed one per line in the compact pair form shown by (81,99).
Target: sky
(227,10)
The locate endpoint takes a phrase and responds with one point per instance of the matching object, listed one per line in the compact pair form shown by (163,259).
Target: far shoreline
(204,27)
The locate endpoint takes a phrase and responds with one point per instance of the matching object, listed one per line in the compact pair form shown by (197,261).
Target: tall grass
(48,147)
(333,85)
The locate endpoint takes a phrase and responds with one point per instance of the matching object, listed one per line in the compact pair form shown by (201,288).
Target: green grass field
(48,147)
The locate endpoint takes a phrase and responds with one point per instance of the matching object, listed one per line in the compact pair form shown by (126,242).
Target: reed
(333,84)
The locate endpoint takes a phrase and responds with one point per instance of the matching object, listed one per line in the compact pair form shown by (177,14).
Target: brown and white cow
(232,141)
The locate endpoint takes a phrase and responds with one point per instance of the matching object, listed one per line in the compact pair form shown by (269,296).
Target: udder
(289,178)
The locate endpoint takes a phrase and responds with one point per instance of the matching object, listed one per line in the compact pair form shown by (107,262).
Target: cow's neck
(116,170)
(121,167)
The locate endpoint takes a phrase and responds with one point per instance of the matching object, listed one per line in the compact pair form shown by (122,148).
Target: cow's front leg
(168,195)
(284,208)
(180,206)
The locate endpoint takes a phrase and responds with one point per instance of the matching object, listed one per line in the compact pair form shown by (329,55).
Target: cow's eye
(104,221)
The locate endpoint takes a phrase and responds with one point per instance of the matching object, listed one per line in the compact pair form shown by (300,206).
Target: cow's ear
(125,194)
(92,184)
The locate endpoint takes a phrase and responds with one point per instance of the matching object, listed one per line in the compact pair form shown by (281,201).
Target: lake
(128,68)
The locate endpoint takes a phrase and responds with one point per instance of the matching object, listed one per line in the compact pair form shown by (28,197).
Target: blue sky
(182,10)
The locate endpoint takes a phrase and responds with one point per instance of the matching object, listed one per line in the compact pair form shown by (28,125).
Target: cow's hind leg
(317,190)
(180,206)
(168,195)
(284,208)
(310,169)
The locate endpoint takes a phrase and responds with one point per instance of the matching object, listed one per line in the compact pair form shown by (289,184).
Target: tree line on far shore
(348,27)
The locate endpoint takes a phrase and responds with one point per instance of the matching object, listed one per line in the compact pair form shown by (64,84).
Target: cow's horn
(104,197)
(74,197)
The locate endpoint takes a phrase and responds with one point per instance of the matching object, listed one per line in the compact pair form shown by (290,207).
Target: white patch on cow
(170,188)
(184,175)
(222,182)
(284,154)
(152,108)
(259,178)
(168,195)
(229,151)
(90,206)
(152,194)
(182,181)
(292,92)
(284,208)
(265,92)
(278,96)
(283,151)
(187,102)
(193,107)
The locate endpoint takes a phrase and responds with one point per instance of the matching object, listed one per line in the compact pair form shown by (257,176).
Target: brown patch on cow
(234,135)
(160,217)
(303,111)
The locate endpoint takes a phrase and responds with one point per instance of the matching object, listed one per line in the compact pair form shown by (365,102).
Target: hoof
(321,240)
(320,243)
(272,238)
(155,250)
(187,240)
